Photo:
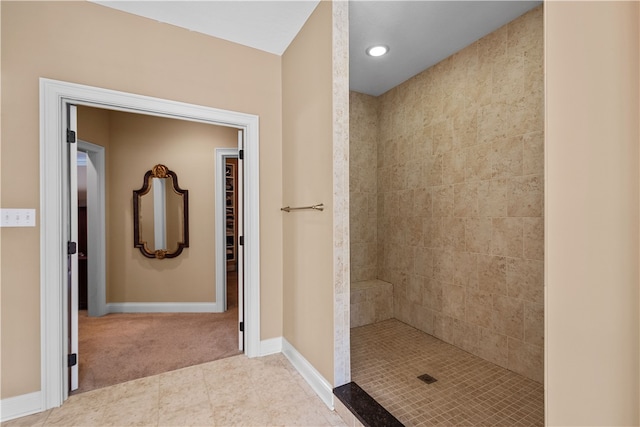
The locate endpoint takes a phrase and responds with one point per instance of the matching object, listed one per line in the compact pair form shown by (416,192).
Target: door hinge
(72,247)
(241,242)
(241,154)
(241,326)
(71,136)
(72,360)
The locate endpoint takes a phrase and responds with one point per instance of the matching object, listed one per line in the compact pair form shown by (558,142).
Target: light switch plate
(18,217)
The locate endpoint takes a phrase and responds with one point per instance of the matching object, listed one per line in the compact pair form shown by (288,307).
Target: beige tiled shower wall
(460,196)
(363,188)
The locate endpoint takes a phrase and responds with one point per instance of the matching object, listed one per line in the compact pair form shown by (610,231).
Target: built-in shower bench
(371,302)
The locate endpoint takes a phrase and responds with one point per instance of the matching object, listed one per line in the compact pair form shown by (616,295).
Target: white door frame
(54,96)
(239,236)
(221,263)
(71,203)
(96,228)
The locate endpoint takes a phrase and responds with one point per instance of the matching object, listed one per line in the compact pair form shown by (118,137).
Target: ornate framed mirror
(160,215)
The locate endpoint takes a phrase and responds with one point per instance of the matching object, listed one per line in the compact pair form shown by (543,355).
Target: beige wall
(307,152)
(89,44)
(592,139)
(363,185)
(137,143)
(460,196)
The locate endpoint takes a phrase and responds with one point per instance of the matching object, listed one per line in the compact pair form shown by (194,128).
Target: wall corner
(341,270)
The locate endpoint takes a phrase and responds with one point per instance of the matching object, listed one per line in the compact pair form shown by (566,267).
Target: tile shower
(446,188)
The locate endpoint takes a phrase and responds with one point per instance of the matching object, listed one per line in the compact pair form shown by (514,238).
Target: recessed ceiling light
(377,50)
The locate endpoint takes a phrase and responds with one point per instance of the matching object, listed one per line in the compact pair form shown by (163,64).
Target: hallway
(120,347)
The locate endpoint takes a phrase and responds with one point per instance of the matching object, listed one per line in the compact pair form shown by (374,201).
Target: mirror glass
(160,215)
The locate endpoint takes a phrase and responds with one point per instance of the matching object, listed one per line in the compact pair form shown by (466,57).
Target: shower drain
(427,378)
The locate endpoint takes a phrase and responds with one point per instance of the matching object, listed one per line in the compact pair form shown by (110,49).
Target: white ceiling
(266,25)
(419,33)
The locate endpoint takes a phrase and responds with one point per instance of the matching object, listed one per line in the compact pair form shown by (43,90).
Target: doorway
(83,297)
(55,96)
(91,228)
(138,344)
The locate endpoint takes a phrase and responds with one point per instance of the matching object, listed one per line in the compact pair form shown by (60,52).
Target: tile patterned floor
(387,358)
(236,391)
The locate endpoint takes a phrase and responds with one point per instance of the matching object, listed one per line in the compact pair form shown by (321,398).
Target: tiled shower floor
(387,357)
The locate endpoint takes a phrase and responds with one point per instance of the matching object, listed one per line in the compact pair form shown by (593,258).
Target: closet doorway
(229,225)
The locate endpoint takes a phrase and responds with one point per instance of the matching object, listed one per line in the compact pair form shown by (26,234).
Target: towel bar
(318,207)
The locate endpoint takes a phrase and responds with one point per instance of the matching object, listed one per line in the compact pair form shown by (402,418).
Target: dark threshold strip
(368,411)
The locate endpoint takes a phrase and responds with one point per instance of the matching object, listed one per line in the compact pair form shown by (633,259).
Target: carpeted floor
(120,347)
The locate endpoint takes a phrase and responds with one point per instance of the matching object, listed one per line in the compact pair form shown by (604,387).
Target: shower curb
(365,408)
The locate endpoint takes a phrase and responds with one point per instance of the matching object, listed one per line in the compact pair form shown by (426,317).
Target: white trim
(52,250)
(96,228)
(54,95)
(271,346)
(20,406)
(220,217)
(162,307)
(318,383)
(251,232)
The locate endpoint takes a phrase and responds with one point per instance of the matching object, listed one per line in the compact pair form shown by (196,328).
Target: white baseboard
(20,406)
(318,383)
(270,346)
(162,307)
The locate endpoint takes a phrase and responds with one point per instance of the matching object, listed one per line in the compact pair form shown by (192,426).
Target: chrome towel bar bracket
(318,207)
